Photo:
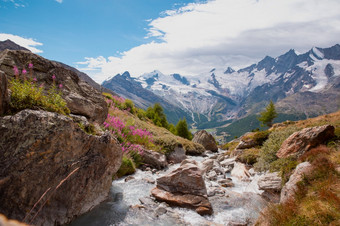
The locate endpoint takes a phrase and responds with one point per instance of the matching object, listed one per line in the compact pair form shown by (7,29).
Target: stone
(160,211)
(184,187)
(302,141)
(212,175)
(4,99)
(206,139)
(207,165)
(154,159)
(200,204)
(146,201)
(226,182)
(81,98)
(290,188)
(128,178)
(177,155)
(240,171)
(228,162)
(50,169)
(270,182)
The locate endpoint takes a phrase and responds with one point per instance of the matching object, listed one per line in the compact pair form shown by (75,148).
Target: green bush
(90,129)
(129,105)
(27,95)
(261,136)
(271,146)
(284,166)
(127,168)
(249,156)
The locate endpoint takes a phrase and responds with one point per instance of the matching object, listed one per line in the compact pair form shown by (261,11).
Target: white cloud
(59,1)
(221,33)
(28,43)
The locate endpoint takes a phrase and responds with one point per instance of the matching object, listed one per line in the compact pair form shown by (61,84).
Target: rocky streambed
(231,189)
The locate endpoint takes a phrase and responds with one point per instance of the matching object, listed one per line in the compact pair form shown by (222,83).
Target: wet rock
(176,156)
(270,182)
(149,180)
(207,165)
(81,98)
(206,139)
(289,189)
(184,187)
(47,157)
(226,183)
(240,171)
(128,178)
(212,175)
(160,211)
(154,159)
(4,99)
(147,201)
(228,162)
(300,142)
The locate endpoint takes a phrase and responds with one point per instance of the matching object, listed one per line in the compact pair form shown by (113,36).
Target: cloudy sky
(103,38)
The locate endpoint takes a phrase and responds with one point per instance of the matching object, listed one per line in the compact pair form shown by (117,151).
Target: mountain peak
(229,70)
(8,44)
(126,74)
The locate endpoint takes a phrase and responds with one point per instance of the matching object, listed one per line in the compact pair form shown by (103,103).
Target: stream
(129,202)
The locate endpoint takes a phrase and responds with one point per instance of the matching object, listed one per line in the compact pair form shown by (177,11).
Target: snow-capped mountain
(223,94)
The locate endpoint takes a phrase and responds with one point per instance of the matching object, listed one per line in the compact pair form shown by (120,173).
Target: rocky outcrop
(300,142)
(154,159)
(206,139)
(240,171)
(50,169)
(4,100)
(290,188)
(271,183)
(247,141)
(184,187)
(81,98)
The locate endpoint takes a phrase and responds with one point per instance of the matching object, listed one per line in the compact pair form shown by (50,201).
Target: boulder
(184,187)
(206,139)
(177,155)
(50,169)
(154,159)
(290,188)
(81,98)
(300,142)
(207,165)
(4,99)
(271,183)
(240,171)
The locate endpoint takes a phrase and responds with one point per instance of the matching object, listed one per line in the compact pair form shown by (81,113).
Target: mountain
(297,83)
(8,44)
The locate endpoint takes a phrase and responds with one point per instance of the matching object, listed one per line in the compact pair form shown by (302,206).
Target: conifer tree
(267,116)
(182,129)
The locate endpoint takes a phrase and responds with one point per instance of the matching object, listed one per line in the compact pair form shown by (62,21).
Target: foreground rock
(300,142)
(50,170)
(81,98)
(290,188)
(184,187)
(4,100)
(206,139)
(177,155)
(271,183)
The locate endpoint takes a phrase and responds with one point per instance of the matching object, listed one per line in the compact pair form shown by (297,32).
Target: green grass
(128,167)
(27,95)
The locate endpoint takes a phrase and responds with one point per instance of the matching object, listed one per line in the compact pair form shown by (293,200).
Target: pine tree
(267,116)
(182,129)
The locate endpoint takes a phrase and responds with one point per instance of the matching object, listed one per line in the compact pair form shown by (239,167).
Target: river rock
(154,159)
(4,99)
(289,189)
(50,169)
(240,171)
(207,165)
(270,182)
(184,187)
(300,142)
(81,98)
(206,139)
(177,155)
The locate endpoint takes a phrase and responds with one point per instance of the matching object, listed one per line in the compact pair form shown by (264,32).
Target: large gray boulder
(302,141)
(82,99)
(154,159)
(184,187)
(50,169)
(206,139)
(271,183)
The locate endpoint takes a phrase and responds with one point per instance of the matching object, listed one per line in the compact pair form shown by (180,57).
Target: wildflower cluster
(28,94)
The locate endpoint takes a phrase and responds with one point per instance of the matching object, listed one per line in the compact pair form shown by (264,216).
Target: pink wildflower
(16,70)
(24,71)
(30,65)
(60,86)
(53,77)
(35,79)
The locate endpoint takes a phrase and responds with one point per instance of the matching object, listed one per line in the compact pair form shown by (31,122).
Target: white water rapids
(129,203)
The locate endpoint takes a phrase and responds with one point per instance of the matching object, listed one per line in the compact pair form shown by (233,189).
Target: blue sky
(106,37)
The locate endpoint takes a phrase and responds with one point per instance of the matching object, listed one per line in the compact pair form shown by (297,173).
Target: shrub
(229,146)
(90,129)
(27,95)
(261,136)
(127,168)
(129,106)
(284,166)
(271,146)
(249,156)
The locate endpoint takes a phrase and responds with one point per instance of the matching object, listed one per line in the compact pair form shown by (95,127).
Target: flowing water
(129,203)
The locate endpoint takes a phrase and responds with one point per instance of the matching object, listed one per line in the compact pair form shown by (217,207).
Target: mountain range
(305,84)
